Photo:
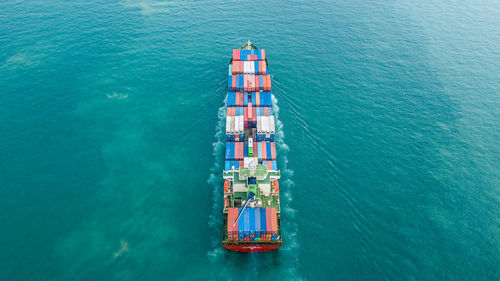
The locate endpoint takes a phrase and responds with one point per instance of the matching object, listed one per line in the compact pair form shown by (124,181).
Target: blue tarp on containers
(263,220)
(245,150)
(261,82)
(246,215)
(253,99)
(228,150)
(245,99)
(268,150)
(231,98)
(251,212)
(275,166)
(227,166)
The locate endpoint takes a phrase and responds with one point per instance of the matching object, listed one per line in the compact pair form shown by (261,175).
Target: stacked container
(254,224)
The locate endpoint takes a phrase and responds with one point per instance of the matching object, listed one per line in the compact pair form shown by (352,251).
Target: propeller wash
(251,190)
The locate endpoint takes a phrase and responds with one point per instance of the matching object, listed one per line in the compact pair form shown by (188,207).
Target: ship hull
(251,248)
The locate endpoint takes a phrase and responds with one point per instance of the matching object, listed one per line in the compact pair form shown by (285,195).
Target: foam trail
(289,227)
(214,179)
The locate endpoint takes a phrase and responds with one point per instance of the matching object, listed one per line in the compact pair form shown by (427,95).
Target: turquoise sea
(111,127)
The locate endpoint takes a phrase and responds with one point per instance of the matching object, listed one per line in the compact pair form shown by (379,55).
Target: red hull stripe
(251,248)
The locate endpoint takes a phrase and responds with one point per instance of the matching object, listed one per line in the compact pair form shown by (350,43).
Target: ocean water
(112,118)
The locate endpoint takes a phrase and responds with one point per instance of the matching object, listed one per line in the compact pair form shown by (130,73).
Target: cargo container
(250,156)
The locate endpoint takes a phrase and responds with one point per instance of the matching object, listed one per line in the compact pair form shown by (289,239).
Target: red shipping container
(249,82)
(245,116)
(256,82)
(274,221)
(269,224)
(273,150)
(242,151)
(254,114)
(237,98)
(245,83)
(264,80)
(242,163)
(238,151)
(269,82)
(264,151)
(235,67)
(233,82)
(250,111)
(240,98)
(266,111)
(236,54)
(269,165)
(257,99)
(231,217)
(262,54)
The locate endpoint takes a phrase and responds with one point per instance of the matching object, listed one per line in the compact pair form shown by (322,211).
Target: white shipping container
(242,124)
(271,124)
(228,124)
(259,124)
(231,120)
(265,124)
(251,65)
(236,124)
(245,67)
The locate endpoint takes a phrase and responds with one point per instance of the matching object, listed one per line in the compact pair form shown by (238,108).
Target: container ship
(251,189)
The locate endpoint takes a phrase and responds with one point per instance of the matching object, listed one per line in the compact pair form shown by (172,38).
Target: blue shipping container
(253,99)
(257,222)
(227,166)
(229,82)
(246,215)
(256,63)
(231,98)
(245,149)
(228,150)
(251,212)
(263,220)
(275,166)
(261,82)
(232,151)
(245,99)
(268,150)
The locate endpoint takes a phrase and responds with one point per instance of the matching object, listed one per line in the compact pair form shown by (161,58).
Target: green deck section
(239,177)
